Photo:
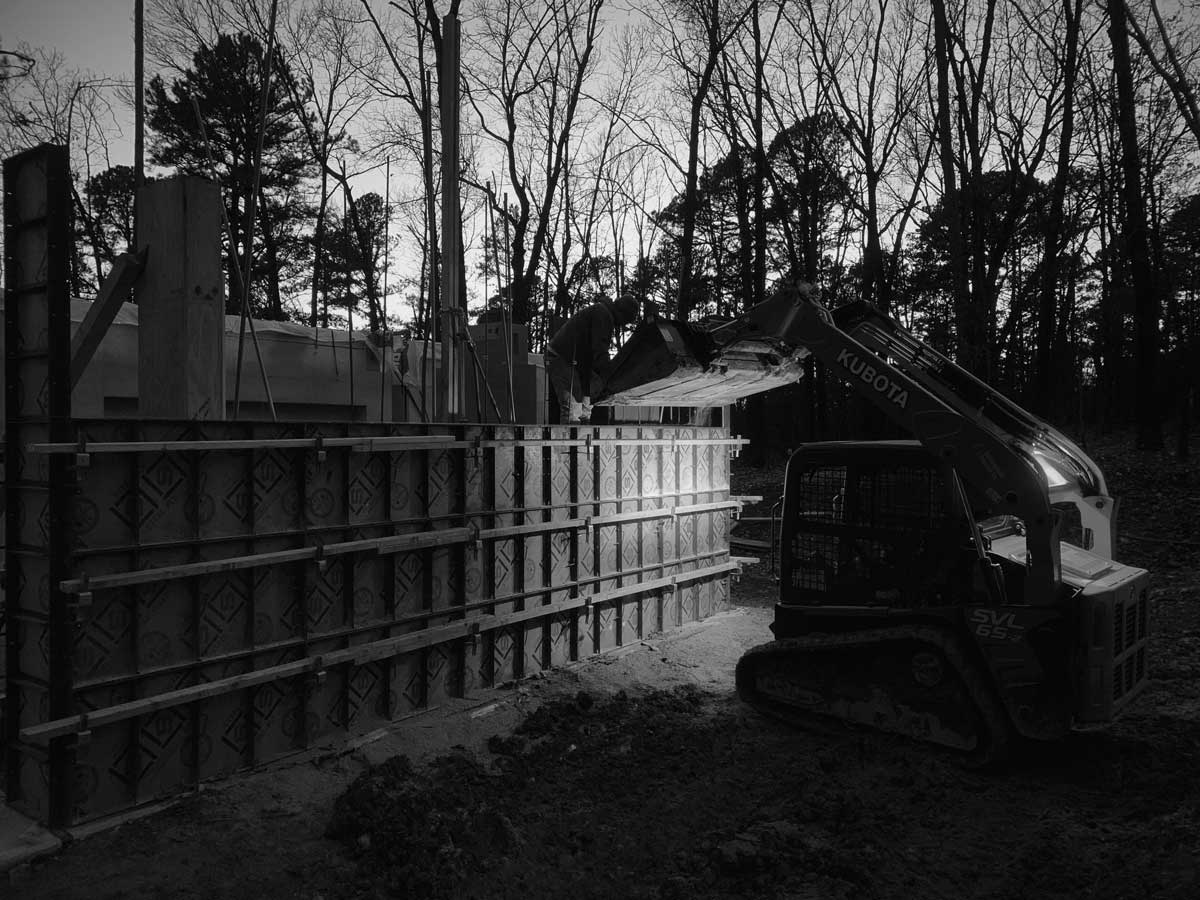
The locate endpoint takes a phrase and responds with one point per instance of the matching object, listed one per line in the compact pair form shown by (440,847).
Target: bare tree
(529,62)
(326,46)
(1149,425)
(57,103)
(695,35)
(872,70)
(1045,367)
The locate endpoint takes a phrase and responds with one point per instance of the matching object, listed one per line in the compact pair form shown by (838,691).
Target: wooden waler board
(238,591)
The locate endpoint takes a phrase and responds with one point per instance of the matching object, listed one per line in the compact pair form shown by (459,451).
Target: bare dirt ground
(639,775)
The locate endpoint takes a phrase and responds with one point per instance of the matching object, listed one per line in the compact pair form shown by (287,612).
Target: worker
(577,359)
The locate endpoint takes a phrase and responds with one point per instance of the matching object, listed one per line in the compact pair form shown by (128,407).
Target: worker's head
(626,309)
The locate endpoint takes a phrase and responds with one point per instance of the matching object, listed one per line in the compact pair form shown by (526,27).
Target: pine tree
(226,80)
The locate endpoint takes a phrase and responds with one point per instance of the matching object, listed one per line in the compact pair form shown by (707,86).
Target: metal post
(453,309)
(384,358)
(139,108)
(248,232)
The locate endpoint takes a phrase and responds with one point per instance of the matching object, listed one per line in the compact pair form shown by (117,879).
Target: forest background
(1015,180)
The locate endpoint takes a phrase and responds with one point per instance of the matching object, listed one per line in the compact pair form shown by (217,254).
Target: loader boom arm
(1020,463)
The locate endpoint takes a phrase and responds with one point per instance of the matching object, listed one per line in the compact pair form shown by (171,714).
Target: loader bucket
(671,363)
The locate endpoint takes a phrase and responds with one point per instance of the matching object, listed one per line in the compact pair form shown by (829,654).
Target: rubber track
(995,719)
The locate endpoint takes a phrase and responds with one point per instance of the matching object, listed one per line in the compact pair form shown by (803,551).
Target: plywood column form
(408,513)
(444,664)
(478,514)
(671,465)
(534,577)
(503,645)
(583,492)
(687,547)
(38,491)
(181,306)
(606,550)
(561,491)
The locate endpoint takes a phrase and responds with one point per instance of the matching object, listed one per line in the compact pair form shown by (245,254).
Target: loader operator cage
(871,525)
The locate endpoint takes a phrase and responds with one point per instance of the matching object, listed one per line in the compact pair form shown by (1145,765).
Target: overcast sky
(92,34)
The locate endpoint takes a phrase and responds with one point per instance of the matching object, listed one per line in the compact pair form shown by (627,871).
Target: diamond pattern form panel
(276,499)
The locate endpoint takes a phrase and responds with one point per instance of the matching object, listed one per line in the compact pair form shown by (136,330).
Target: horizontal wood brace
(454,517)
(416,618)
(362,444)
(533,528)
(675,442)
(398,543)
(357,655)
(391,544)
(664,512)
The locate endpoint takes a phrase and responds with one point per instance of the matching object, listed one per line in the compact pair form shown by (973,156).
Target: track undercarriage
(916,681)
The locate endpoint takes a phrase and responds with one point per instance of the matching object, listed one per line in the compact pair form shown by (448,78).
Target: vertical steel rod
(251,214)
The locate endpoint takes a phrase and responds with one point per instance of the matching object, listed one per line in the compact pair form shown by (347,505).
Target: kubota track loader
(925,589)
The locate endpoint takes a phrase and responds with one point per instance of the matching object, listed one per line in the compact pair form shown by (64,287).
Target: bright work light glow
(1054,478)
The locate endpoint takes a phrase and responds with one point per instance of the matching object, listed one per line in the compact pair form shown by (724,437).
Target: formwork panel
(277,603)
(560,574)
(164,739)
(443,672)
(546,486)
(503,649)
(564,638)
(686,546)
(104,642)
(671,610)
(605,619)
(102,781)
(367,697)
(227,723)
(407,485)
(499,658)
(534,555)
(608,556)
(326,487)
(279,711)
(630,623)
(370,597)
(406,690)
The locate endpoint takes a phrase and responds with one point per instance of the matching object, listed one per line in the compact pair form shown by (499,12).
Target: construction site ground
(638,774)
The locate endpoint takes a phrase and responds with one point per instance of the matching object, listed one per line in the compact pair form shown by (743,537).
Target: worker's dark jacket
(584,340)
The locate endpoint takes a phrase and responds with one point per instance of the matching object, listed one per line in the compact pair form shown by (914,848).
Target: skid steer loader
(926,589)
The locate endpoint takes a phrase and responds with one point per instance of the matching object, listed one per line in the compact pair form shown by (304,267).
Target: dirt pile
(682,794)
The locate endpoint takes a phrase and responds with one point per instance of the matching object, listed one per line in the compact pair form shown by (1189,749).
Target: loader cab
(870,527)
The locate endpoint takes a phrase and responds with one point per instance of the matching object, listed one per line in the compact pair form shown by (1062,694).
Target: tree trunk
(319,243)
(433,282)
(690,203)
(875,287)
(1045,396)
(1149,423)
(952,198)
(760,170)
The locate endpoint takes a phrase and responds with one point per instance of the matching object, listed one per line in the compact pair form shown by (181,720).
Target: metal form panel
(243,590)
